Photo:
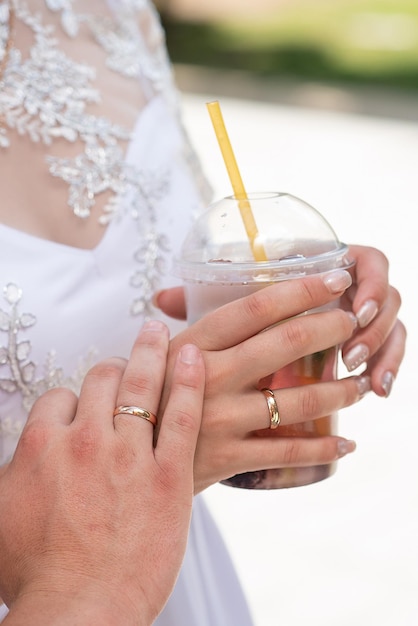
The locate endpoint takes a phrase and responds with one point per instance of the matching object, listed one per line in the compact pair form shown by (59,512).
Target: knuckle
(108,369)
(184,420)
(141,382)
(297,334)
(309,402)
(258,305)
(52,400)
(85,443)
(34,438)
(308,291)
(57,393)
(291,451)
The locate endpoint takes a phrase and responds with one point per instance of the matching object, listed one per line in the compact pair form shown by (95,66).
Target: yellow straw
(236,181)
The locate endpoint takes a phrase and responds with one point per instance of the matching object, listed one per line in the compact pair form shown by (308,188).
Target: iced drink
(321,366)
(217,266)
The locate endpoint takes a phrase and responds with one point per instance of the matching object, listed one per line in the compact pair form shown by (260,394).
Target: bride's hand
(242,342)
(379,342)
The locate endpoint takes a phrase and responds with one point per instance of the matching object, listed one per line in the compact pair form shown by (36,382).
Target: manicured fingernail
(387,381)
(345,446)
(356,356)
(353,318)
(338,280)
(364,385)
(367,313)
(189,354)
(153,326)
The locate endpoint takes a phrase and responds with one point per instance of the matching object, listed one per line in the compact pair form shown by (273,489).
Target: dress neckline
(38,243)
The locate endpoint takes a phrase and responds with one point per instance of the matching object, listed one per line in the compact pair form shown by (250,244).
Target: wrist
(91,605)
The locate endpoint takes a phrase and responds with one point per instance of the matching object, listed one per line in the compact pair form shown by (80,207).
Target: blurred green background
(356,42)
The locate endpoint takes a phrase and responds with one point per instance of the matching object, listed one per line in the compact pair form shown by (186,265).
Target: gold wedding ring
(273,408)
(137,412)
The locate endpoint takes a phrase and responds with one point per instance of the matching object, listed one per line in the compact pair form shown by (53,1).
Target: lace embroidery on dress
(149,255)
(45,97)
(15,356)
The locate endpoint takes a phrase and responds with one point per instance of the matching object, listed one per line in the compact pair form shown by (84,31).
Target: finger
(384,366)
(143,379)
(366,342)
(306,403)
(57,406)
(260,453)
(99,392)
(243,318)
(275,348)
(370,288)
(171,302)
(182,417)
(298,405)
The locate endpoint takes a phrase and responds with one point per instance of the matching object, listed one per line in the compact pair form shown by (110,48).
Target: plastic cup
(217,266)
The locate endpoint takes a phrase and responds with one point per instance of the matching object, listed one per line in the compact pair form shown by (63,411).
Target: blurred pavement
(343,552)
(363,100)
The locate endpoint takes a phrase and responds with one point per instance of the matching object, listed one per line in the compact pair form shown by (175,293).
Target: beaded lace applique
(45,97)
(150,254)
(15,356)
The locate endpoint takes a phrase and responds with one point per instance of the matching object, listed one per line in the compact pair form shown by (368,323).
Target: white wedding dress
(79,138)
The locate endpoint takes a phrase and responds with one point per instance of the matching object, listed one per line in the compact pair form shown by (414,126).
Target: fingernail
(345,446)
(387,381)
(153,326)
(367,313)
(338,280)
(364,385)
(356,356)
(189,354)
(353,318)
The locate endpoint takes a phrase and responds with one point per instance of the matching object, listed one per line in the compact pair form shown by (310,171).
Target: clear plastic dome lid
(295,237)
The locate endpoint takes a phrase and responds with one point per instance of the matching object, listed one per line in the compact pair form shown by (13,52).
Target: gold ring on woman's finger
(272,407)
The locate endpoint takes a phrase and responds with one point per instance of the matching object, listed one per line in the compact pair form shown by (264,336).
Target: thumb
(171,302)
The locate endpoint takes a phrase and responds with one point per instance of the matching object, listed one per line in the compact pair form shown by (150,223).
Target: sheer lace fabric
(73,118)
